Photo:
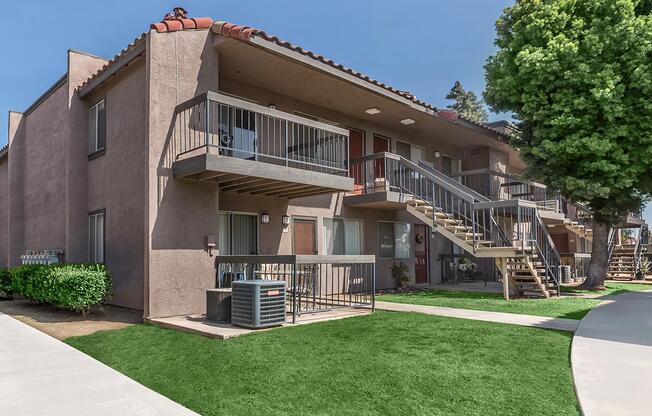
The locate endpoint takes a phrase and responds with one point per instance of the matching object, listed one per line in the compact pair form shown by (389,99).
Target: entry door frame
(426,242)
(315,238)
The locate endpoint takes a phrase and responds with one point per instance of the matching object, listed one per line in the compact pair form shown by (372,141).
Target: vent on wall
(258,303)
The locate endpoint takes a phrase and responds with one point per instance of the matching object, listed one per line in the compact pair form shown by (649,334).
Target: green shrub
(27,279)
(68,286)
(5,283)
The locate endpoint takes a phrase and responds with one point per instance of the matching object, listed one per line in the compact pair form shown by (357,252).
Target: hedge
(5,284)
(68,286)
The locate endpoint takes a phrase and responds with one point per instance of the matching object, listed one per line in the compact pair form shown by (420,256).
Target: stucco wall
(4,211)
(46,131)
(116,182)
(180,65)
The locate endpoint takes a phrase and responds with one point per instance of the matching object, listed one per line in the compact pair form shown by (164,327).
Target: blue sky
(422,46)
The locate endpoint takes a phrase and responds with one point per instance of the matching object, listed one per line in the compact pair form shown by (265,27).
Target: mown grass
(557,307)
(382,364)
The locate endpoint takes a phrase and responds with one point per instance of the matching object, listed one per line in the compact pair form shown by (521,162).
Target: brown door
(356,151)
(304,237)
(381,144)
(421,253)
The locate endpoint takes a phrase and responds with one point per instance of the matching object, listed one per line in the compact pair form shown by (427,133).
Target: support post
(503,271)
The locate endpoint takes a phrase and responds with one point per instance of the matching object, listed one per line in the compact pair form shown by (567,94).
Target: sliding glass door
(238,234)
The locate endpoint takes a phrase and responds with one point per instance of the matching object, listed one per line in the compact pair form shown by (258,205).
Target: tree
(466,104)
(578,76)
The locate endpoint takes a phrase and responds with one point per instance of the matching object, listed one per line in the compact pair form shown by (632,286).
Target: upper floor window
(96,127)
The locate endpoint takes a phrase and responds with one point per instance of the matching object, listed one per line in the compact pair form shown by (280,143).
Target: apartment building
(204,138)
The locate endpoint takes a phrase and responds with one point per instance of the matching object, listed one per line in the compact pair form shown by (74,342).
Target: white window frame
(409,248)
(344,221)
(95,254)
(96,126)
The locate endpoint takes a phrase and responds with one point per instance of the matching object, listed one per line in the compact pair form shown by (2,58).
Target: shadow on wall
(185,212)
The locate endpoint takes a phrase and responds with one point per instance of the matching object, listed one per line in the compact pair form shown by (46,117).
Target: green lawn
(381,364)
(557,307)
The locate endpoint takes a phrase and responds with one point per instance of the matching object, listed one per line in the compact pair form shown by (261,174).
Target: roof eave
(123,61)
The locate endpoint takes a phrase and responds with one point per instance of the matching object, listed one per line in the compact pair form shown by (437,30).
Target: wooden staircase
(622,265)
(526,273)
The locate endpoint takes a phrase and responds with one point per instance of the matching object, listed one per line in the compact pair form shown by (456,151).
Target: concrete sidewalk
(40,375)
(501,317)
(611,357)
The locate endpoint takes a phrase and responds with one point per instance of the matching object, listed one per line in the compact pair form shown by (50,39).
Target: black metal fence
(313,283)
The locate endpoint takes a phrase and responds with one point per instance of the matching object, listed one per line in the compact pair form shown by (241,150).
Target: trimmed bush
(68,286)
(5,284)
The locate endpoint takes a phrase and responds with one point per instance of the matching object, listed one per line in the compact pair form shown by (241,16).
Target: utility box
(218,305)
(258,303)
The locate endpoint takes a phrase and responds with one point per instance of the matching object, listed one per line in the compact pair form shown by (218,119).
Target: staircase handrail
(638,251)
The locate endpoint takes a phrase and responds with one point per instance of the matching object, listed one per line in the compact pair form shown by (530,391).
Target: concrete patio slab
(40,375)
(500,317)
(197,323)
(611,357)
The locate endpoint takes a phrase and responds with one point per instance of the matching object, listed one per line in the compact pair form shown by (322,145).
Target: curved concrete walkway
(611,357)
(40,375)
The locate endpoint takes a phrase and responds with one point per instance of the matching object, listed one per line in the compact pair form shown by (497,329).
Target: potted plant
(400,274)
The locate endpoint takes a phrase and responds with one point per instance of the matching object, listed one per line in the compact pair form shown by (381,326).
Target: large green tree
(466,104)
(578,75)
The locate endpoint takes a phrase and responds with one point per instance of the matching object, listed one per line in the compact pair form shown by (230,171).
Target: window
(342,236)
(96,237)
(96,128)
(394,240)
(237,234)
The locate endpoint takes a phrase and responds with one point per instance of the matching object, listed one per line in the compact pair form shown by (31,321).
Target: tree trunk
(599,257)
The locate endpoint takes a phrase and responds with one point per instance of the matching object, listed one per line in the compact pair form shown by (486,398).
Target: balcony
(252,149)
(499,186)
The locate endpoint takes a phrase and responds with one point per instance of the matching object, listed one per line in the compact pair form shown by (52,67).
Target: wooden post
(502,263)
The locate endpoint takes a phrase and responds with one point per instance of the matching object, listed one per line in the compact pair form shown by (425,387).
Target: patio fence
(313,283)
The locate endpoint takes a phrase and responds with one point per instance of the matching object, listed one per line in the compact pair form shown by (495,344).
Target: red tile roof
(129,47)
(172,24)
(246,33)
(179,21)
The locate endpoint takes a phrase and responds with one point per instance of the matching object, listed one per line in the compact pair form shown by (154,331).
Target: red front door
(421,253)
(381,144)
(356,151)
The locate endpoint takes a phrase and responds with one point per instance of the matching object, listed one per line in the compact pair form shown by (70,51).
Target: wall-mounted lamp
(372,110)
(210,244)
(437,154)
(407,121)
(264,218)
(285,219)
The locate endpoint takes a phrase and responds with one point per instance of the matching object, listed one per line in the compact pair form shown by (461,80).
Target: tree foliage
(466,104)
(578,75)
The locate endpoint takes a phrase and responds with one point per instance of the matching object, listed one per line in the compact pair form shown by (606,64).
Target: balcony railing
(313,283)
(501,186)
(228,126)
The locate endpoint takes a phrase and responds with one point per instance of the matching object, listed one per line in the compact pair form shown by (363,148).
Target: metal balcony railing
(501,186)
(313,283)
(511,223)
(228,126)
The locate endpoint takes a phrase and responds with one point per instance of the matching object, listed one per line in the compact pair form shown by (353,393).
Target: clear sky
(422,46)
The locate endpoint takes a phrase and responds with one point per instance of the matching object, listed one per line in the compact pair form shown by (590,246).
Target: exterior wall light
(437,154)
(372,110)
(264,218)
(285,219)
(407,121)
